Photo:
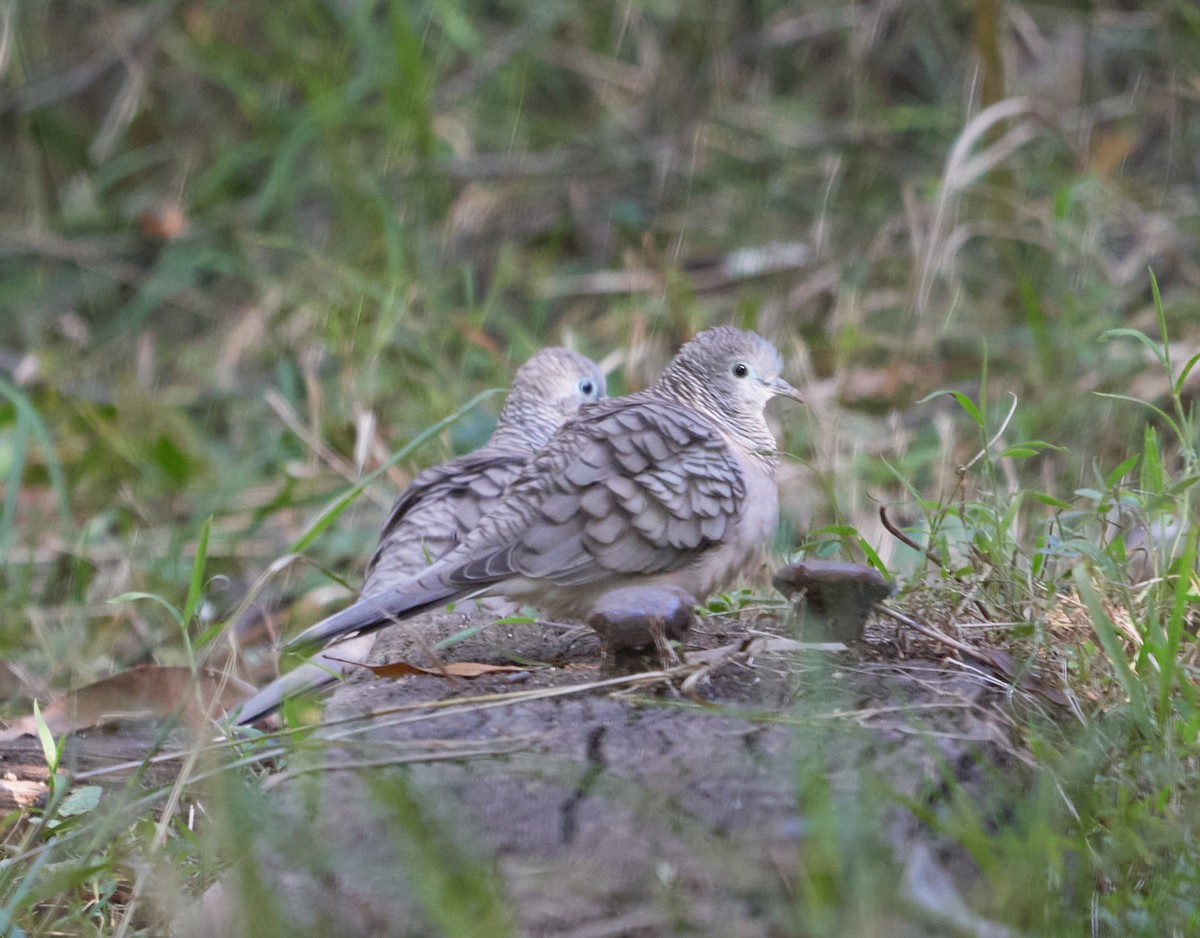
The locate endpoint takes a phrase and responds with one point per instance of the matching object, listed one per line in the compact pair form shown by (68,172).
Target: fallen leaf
(142,693)
(453,669)
(81,801)
(1003,663)
(1109,151)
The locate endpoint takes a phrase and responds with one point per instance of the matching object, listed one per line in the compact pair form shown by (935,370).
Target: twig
(499,748)
(933,633)
(903,538)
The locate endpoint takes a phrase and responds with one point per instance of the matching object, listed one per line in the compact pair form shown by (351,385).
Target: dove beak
(783,389)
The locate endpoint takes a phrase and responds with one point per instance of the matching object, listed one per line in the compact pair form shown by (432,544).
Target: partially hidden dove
(674,486)
(445,502)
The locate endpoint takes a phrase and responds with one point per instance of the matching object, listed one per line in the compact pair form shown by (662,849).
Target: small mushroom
(634,619)
(833,598)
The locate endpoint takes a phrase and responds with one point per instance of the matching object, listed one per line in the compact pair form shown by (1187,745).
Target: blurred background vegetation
(249,249)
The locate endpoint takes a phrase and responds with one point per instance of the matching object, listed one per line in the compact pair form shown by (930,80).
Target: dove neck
(744,426)
(522,426)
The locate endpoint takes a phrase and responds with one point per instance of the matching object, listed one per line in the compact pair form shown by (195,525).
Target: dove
(672,486)
(445,502)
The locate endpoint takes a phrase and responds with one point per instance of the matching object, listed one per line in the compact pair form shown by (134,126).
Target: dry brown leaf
(453,669)
(1003,663)
(141,693)
(479,338)
(1109,151)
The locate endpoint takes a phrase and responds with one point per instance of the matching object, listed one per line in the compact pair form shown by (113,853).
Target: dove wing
(437,510)
(642,487)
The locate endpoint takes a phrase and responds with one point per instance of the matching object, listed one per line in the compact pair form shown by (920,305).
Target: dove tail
(422,592)
(321,669)
(363,617)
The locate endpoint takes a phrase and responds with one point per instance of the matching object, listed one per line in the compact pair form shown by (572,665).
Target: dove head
(546,392)
(730,373)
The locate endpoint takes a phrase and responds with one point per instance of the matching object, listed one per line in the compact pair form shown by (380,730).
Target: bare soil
(625,810)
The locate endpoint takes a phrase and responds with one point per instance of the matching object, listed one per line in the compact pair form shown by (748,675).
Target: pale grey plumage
(672,485)
(444,503)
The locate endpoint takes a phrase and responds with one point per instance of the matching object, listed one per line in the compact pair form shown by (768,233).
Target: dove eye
(587,387)
(740,370)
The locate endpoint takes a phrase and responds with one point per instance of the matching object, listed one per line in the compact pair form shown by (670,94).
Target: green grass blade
(1113,478)
(964,402)
(1169,661)
(456,887)
(282,563)
(136,595)
(195,587)
(328,515)
(53,466)
(1106,632)
(873,558)
(1161,316)
(334,510)
(50,749)
(1184,372)
(12,483)
(1133,400)
(1153,478)
(1137,335)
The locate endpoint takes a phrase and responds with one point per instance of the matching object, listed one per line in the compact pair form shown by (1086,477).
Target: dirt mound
(628,808)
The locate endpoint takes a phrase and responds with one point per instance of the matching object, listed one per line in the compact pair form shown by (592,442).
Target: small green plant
(1103,795)
(729,604)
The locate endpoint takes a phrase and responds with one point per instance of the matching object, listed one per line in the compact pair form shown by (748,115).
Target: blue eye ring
(740,370)
(587,387)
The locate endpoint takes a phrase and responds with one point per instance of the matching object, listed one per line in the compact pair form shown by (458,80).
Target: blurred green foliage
(248,249)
